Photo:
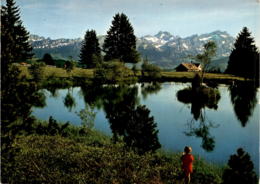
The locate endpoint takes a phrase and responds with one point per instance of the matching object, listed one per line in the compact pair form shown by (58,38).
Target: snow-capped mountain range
(163,49)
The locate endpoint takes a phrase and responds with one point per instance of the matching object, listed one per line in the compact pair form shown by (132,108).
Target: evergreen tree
(241,169)
(90,53)
(48,60)
(120,42)
(17,96)
(15,44)
(244,58)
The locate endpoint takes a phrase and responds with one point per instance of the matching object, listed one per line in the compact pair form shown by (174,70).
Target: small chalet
(188,67)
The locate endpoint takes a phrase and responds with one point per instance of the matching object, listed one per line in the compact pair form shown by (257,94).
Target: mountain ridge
(163,49)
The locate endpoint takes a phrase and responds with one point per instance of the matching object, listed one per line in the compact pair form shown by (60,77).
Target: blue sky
(71,18)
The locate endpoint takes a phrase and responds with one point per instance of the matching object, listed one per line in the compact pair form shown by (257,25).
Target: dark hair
(187,149)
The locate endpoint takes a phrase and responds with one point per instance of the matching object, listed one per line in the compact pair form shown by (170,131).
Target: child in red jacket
(187,160)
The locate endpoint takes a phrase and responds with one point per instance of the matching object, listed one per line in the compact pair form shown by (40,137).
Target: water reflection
(128,120)
(199,100)
(150,88)
(54,91)
(201,130)
(244,99)
(206,97)
(69,101)
(93,95)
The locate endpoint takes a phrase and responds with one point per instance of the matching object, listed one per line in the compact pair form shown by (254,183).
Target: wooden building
(188,67)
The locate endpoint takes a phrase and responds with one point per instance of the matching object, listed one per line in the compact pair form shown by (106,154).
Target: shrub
(112,72)
(47,59)
(150,71)
(241,169)
(36,70)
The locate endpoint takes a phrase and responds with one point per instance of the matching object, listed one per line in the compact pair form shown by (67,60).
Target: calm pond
(215,130)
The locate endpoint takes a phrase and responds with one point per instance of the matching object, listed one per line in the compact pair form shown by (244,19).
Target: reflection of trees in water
(205,97)
(54,91)
(199,99)
(150,88)
(127,120)
(201,130)
(244,99)
(69,101)
(93,95)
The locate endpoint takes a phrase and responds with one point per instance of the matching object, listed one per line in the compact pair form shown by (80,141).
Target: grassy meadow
(49,71)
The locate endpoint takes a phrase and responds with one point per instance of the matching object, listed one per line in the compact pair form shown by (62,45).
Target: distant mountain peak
(164,35)
(163,48)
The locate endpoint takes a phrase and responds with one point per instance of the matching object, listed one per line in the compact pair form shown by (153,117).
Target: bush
(113,72)
(241,169)
(150,71)
(47,59)
(36,70)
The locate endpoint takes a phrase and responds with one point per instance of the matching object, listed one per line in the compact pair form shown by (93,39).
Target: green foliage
(120,42)
(47,59)
(241,169)
(69,66)
(43,159)
(90,53)
(205,58)
(14,37)
(17,99)
(87,117)
(59,63)
(136,127)
(112,72)
(244,58)
(150,71)
(52,128)
(36,70)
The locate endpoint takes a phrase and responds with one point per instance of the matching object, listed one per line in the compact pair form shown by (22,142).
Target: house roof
(191,66)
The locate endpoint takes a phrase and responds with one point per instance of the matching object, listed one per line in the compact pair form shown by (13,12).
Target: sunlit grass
(88,73)
(59,72)
(190,75)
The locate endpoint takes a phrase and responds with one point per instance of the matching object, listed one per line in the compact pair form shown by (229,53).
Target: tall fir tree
(120,42)
(90,53)
(15,43)
(244,58)
(17,96)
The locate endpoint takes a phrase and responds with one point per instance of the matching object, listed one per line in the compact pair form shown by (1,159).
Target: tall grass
(70,156)
(49,71)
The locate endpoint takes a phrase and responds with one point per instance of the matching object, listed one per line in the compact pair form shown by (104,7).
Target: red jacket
(187,160)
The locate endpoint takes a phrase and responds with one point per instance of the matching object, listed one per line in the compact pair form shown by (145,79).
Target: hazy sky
(71,18)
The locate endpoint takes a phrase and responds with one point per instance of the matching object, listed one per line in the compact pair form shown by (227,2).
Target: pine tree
(17,96)
(244,58)
(15,44)
(90,53)
(120,42)
(241,169)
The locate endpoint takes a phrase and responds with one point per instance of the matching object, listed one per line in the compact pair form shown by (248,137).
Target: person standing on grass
(187,160)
